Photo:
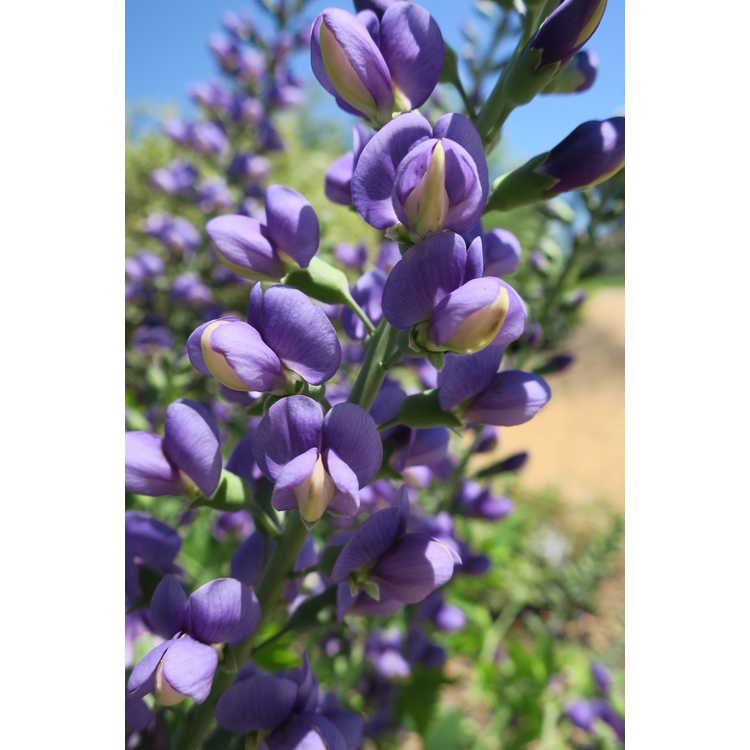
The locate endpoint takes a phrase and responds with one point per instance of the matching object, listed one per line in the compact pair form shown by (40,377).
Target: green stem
(201,719)
(380,350)
(362,315)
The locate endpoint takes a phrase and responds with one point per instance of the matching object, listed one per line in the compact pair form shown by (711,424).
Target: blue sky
(166,52)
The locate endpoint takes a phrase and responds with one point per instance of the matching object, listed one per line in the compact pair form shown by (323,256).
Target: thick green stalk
(380,349)
(288,547)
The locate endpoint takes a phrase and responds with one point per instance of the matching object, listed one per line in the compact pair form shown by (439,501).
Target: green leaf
(321,281)
(418,698)
(423,410)
(229,495)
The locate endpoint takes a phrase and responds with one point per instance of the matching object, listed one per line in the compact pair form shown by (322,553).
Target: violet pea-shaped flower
(183,666)
(377,66)
(475,501)
(473,387)
(188,456)
(286,333)
(425,178)
(288,239)
(382,567)
(591,154)
(317,461)
(502,252)
(438,291)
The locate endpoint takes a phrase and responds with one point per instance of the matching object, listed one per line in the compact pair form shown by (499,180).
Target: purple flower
(249,169)
(236,524)
(567,29)
(151,544)
(438,290)
(373,66)
(287,709)
(252,67)
(189,454)
(183,666)
(143,266)
(475,501)
(289,238)
(246,110)
(211,96)
(488,439)
(151,338)
(577,76)
(188,289)
(383,650)
(226,51)
(317,461)
(376,6)
(584,713)
(214,195)
(388,255)
(592,153)
(351,256)
(286,332)
(177,178)
(209,138)
(138,715)
(426,178)
(338,180)
(486,396)
(502,252)
(419,454)
(445,617)
(382,567)
(368,294)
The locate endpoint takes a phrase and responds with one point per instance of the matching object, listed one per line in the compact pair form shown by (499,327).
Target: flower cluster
(342,500)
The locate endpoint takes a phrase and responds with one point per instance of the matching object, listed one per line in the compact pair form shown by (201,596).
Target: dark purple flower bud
(583,714)
(209,138)
(558,363)
(368,294)
(188,289)
(268,137)
(472,563)
(427,178)
(616,722)
(567,29)
(434,290)
(137,714)
(577,76)
(511,398)
(317,462)
(602,678)
(477,502)
(575,299)
(445,617)
(592,153)
(488,439)
(502,252)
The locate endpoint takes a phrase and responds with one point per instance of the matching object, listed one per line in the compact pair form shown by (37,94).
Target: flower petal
(260,702)
(291,426)
(292,224)
(300,333)
(465,376)
(414,568)
(512,398)
(222,611)
(426,274)
(242,247)
(291,476)
(191,441)
(141,680)
(338,180)
(189,668)
(502,252)
(460,129)
(166,614)
(351,432)
(413,48)
(375,171)
(515,320)
(147,469)
(346,499)
(154,543)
